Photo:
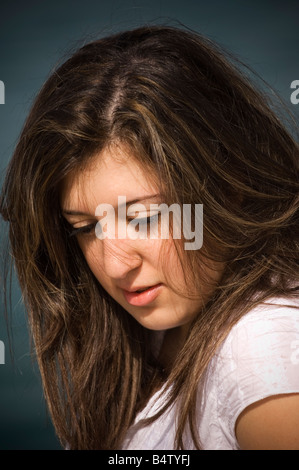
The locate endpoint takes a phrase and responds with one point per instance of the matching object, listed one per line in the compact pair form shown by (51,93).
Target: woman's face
(125,265)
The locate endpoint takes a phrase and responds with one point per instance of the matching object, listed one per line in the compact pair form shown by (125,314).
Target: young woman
(141,342)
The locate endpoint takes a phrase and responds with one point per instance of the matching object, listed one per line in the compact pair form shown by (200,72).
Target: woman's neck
(173,342)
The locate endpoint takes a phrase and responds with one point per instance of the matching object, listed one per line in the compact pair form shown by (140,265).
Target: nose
(119,258)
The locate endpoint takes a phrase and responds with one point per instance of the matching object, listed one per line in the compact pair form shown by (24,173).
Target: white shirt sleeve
(259,359)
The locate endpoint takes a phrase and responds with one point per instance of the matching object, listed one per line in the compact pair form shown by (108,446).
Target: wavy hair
(188,112)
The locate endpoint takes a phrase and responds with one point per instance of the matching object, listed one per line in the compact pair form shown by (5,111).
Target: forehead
(113,172)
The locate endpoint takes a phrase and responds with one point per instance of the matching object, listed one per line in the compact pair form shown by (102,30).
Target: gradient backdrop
(34,35)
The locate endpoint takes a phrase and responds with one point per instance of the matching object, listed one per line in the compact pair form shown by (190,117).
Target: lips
(143,295)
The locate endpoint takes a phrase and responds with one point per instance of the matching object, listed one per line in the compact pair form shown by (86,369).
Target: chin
(156,321)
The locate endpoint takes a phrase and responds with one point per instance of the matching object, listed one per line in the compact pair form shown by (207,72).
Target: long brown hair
(182,107)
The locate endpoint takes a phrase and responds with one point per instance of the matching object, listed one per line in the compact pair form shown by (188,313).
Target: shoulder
(270,424)
(271,328)
(257,370)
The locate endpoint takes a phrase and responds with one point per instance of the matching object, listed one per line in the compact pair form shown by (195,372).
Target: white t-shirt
(259,358)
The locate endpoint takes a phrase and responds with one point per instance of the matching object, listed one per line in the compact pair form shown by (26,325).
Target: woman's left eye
(146,221)
(143,222)
(84,230)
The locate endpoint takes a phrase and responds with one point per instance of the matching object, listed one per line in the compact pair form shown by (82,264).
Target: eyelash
(87,229)
(147,220)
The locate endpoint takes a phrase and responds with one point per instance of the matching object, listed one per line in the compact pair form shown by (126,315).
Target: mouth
(142,296)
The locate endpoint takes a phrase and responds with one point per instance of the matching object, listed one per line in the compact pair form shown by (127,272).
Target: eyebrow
(133,201)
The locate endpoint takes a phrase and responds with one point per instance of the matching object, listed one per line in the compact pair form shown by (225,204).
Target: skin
(270,424)
(125,263)
(120,264)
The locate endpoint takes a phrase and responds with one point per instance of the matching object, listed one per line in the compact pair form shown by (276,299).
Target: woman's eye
(84,230)
(151,218)
(145,222)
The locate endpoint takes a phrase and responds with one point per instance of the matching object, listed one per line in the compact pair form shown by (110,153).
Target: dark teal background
(34,36)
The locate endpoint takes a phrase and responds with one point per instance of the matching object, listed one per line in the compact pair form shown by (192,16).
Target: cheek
(158,257)
(171,263)
(94,258)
